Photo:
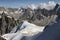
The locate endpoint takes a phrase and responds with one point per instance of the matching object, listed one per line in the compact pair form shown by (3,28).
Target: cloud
(32,6)
(48,6)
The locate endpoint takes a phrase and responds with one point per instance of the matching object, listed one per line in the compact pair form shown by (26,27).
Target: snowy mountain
(52,32)
(25,29)
(42,15)
(38,16)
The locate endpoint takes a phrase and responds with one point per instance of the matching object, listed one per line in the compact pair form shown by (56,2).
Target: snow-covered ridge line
(28,29)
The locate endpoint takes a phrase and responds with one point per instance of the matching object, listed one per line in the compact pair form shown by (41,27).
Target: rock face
(41,17)
(6,23)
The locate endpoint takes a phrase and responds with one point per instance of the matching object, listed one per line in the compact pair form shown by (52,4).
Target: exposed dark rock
(2,38)
(6,23)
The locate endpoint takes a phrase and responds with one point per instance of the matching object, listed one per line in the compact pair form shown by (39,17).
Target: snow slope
(52,32)
(25,29)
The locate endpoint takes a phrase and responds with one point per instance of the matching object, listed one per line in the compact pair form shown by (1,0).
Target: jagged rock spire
(56,7)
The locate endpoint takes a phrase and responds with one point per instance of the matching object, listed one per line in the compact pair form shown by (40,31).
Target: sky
(20,3)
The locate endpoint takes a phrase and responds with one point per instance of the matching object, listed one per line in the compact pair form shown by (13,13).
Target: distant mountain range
(41,9)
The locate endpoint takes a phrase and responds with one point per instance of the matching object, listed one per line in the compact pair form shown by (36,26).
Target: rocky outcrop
(6,23)
(41,17)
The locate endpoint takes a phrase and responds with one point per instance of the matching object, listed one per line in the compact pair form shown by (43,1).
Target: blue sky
(19,3)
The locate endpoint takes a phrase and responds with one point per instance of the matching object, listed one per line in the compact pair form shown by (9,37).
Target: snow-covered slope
(24,29)
(52,32)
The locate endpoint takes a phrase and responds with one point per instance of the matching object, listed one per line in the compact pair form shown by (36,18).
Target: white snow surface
(28,29)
